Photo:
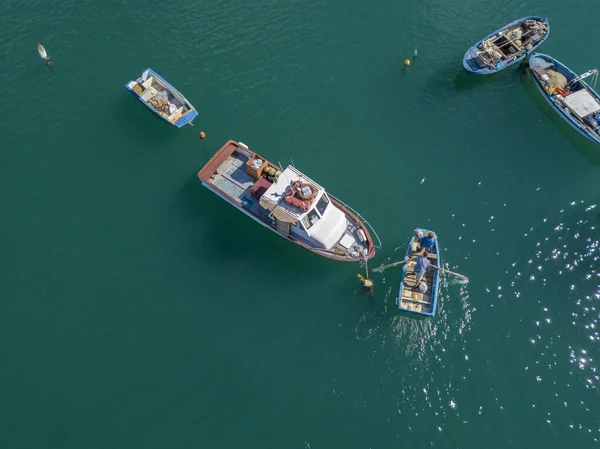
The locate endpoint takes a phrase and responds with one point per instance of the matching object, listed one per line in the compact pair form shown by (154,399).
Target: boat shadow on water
(452,78)
(218,231)
(139,124)
(463,81)
(581,144)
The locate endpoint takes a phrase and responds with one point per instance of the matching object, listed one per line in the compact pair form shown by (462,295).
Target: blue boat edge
(567,118)
(472,51)
(436,281)
(187,119)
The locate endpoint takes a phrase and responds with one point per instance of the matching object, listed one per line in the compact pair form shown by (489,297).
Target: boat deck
(582,103)
(350,241)
(232,179)
(412,298)
(506,46)
(151,89)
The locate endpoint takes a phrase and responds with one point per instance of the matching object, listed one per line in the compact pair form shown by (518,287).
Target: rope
(509,41)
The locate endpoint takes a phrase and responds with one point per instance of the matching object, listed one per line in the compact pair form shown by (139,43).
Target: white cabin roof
(582,103)
(273,197)
(327,227)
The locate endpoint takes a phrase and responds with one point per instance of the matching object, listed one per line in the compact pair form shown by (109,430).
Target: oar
(383,267)
(451,272)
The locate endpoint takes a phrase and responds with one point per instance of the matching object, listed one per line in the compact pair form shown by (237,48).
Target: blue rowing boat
(410,298)
(573,99)
(506,46)
(162,99)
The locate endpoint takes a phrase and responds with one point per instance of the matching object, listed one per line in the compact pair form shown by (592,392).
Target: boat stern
(539,59)
(134,88)
(187,119)
(469,62)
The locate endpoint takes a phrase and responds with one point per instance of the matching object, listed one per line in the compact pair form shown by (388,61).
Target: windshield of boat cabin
(322,204)
(312,216)
(310,219)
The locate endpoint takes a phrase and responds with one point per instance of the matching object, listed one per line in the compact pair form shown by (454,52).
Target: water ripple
(560,279)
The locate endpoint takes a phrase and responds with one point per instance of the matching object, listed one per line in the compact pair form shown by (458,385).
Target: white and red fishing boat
(289,203)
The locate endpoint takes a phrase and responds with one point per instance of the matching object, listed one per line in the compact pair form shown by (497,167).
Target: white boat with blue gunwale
(506,46)
(288,203)
(410,297)
(573,99)
(162,99)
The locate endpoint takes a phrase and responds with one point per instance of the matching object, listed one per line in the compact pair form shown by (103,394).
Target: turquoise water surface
(138,310)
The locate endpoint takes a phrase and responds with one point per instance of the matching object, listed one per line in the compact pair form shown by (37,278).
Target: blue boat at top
(506,46)
(410,297)
(162,99)
(574,100)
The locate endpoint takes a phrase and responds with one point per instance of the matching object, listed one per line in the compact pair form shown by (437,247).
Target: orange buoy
(202,135)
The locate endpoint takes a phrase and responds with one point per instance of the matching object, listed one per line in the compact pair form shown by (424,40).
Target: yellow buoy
(366,283)
(406,62)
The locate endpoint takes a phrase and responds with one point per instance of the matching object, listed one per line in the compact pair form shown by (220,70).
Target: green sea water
(138,310)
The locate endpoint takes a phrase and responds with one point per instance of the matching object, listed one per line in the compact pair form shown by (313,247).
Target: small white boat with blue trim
(162,99)
(506,46)
(573,99)
(411,298)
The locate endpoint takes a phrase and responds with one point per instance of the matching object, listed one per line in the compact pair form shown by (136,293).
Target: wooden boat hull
(184,120)
(562,113)
(415,304)
(241,203)
(470,58)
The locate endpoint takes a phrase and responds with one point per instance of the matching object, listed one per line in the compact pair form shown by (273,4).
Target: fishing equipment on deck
(270,173)
(300,195)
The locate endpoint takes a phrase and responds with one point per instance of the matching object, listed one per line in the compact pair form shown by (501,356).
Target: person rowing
(420,269)
(427,242)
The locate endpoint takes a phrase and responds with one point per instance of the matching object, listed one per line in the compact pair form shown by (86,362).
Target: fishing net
(557,80)
(160,102)
(162,96)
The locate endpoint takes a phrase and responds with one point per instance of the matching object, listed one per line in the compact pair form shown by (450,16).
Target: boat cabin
(303,209)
